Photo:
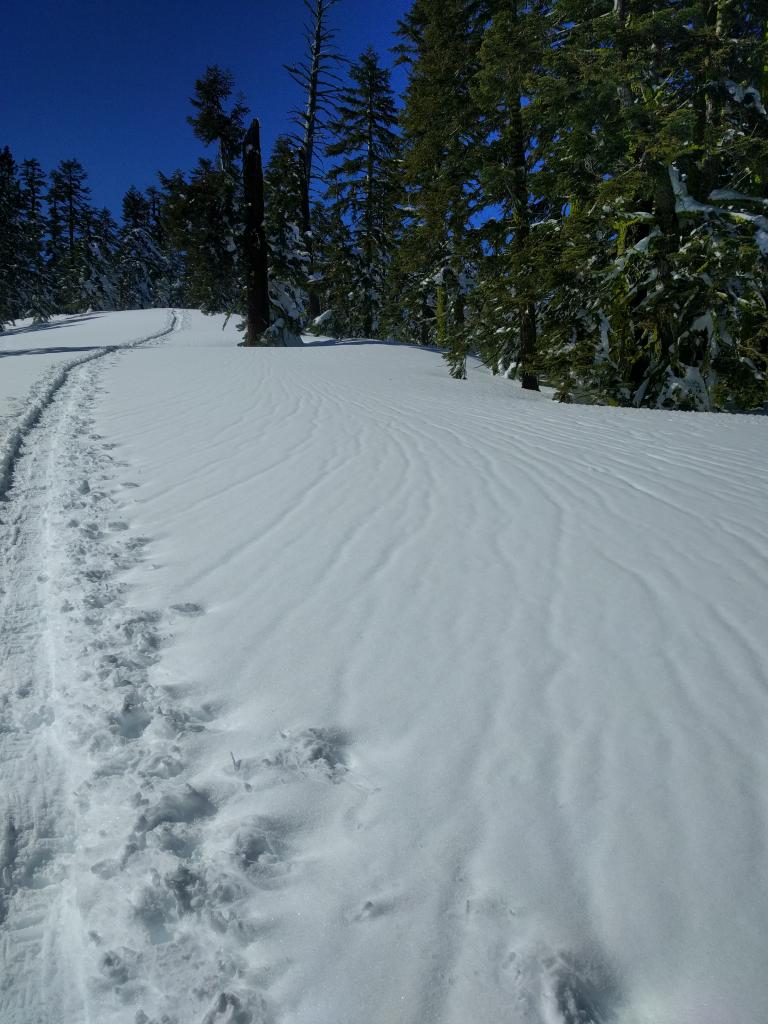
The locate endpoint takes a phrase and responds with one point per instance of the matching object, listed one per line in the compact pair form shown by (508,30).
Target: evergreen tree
(203,215)
(364,185)
(98,282)
(10,237)
(337,262)
(288,252)
(202,219)
(316,75)
(36,295)
(661,161)
(69,218)
(213,123)
(512,56)
(169,231)
(440,44)
(138,260)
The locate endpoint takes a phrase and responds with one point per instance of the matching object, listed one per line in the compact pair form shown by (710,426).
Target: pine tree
(337,263)
(69,217)
(138,258)
(440,45)
(170,233)
(36,296)
(98,283)
(660,159)
(364,185)
(316,75)
(203,215)
(288,253)
(512,55)
(10,238)
(213,123)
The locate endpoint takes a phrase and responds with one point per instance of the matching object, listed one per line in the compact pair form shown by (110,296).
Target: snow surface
(34,360)
(333,691)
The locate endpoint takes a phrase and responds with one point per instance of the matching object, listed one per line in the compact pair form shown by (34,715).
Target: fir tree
(36,295)
(219,119)
(440,43)
(98,284)
(337,262)
(661,161)
(70,213)
(316,75)
(10,237)
(512,55)
(364,185)
(170,233)
(138,259)
(203,215)
(288,252)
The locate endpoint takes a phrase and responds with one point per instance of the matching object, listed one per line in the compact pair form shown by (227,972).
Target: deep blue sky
(108,81)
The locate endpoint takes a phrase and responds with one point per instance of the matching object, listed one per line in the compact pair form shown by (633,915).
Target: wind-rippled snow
(335,690)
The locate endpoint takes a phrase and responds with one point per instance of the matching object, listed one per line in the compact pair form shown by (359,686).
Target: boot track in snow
(62,624)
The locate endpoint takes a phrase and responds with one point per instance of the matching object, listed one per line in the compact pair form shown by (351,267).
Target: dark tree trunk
(522,222)
(255,241)
(528,338)
(667,220)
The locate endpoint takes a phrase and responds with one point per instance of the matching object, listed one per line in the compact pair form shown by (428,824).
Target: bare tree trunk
(255,241)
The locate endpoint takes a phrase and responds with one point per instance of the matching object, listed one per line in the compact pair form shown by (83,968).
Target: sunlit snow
(336,691)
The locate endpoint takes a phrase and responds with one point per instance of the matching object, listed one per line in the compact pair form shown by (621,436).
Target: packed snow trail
(35,360)
(44,481)
(367,695)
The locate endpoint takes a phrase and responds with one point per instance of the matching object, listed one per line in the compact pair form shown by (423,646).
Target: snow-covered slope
(35,359)
(336,691)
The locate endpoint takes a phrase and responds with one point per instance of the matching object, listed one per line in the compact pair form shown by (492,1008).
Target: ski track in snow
(456,784)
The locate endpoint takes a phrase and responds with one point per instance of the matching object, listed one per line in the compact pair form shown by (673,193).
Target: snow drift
(334,690)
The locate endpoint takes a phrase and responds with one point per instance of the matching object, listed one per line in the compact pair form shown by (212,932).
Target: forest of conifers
(575,192)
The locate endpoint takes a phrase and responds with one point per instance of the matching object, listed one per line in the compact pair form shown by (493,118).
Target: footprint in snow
(188,608)
(231,1009)
(261,850)
(323,751)
(577,990)
(187,806)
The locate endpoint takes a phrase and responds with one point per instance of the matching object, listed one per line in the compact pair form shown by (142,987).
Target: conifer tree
(204,212)
(219,119)
(288,253)
(363,185)
(660,298)
(35,288)
(316,75)
(98,284)
(10,237)
(337,263)
(138,258)
(171,236)
(68,198)
(440,44)
(512,55)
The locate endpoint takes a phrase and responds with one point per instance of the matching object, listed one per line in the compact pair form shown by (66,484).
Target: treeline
(576,192)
